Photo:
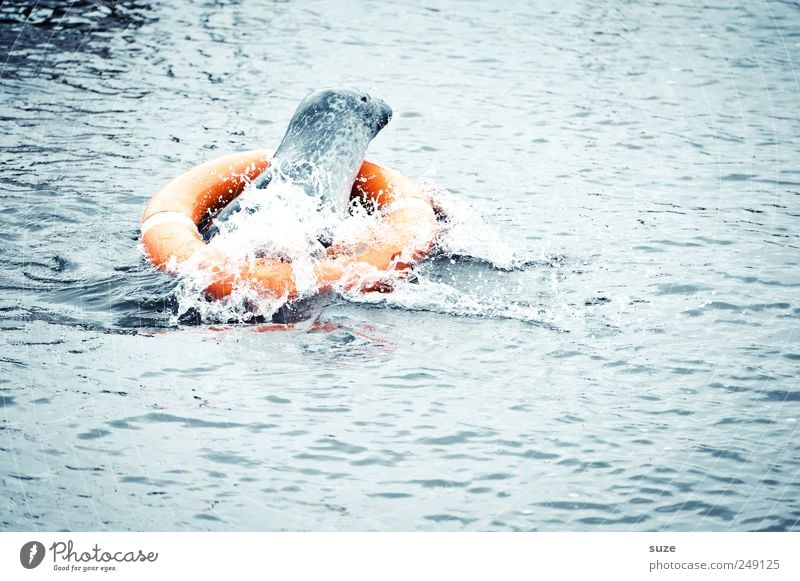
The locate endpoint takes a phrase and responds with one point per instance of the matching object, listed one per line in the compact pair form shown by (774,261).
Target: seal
(320,154)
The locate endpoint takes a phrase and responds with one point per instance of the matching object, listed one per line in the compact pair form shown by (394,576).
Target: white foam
(467,233)
(424,294)
(286,225)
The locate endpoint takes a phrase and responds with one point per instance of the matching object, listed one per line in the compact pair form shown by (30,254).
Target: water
(620,352)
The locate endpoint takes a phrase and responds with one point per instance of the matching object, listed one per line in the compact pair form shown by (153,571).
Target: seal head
(325,143)
(321,151)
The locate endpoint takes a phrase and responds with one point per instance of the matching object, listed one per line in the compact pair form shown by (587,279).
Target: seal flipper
(303,309)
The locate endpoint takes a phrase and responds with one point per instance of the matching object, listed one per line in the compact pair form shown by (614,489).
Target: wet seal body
(320,153)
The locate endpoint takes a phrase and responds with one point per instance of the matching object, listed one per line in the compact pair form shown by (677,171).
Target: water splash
(283,224)
(466,234)
(424,294)
(288,225)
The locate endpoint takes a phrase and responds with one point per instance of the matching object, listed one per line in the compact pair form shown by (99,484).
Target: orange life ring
(171,238)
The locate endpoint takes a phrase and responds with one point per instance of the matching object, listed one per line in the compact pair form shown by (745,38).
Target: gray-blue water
(636,369)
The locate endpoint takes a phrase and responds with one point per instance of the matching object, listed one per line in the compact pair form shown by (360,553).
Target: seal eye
(364,99)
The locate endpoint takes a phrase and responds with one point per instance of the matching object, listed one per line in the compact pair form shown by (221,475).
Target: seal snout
(384,113)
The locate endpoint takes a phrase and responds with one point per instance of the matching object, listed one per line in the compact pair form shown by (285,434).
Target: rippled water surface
(633,366)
